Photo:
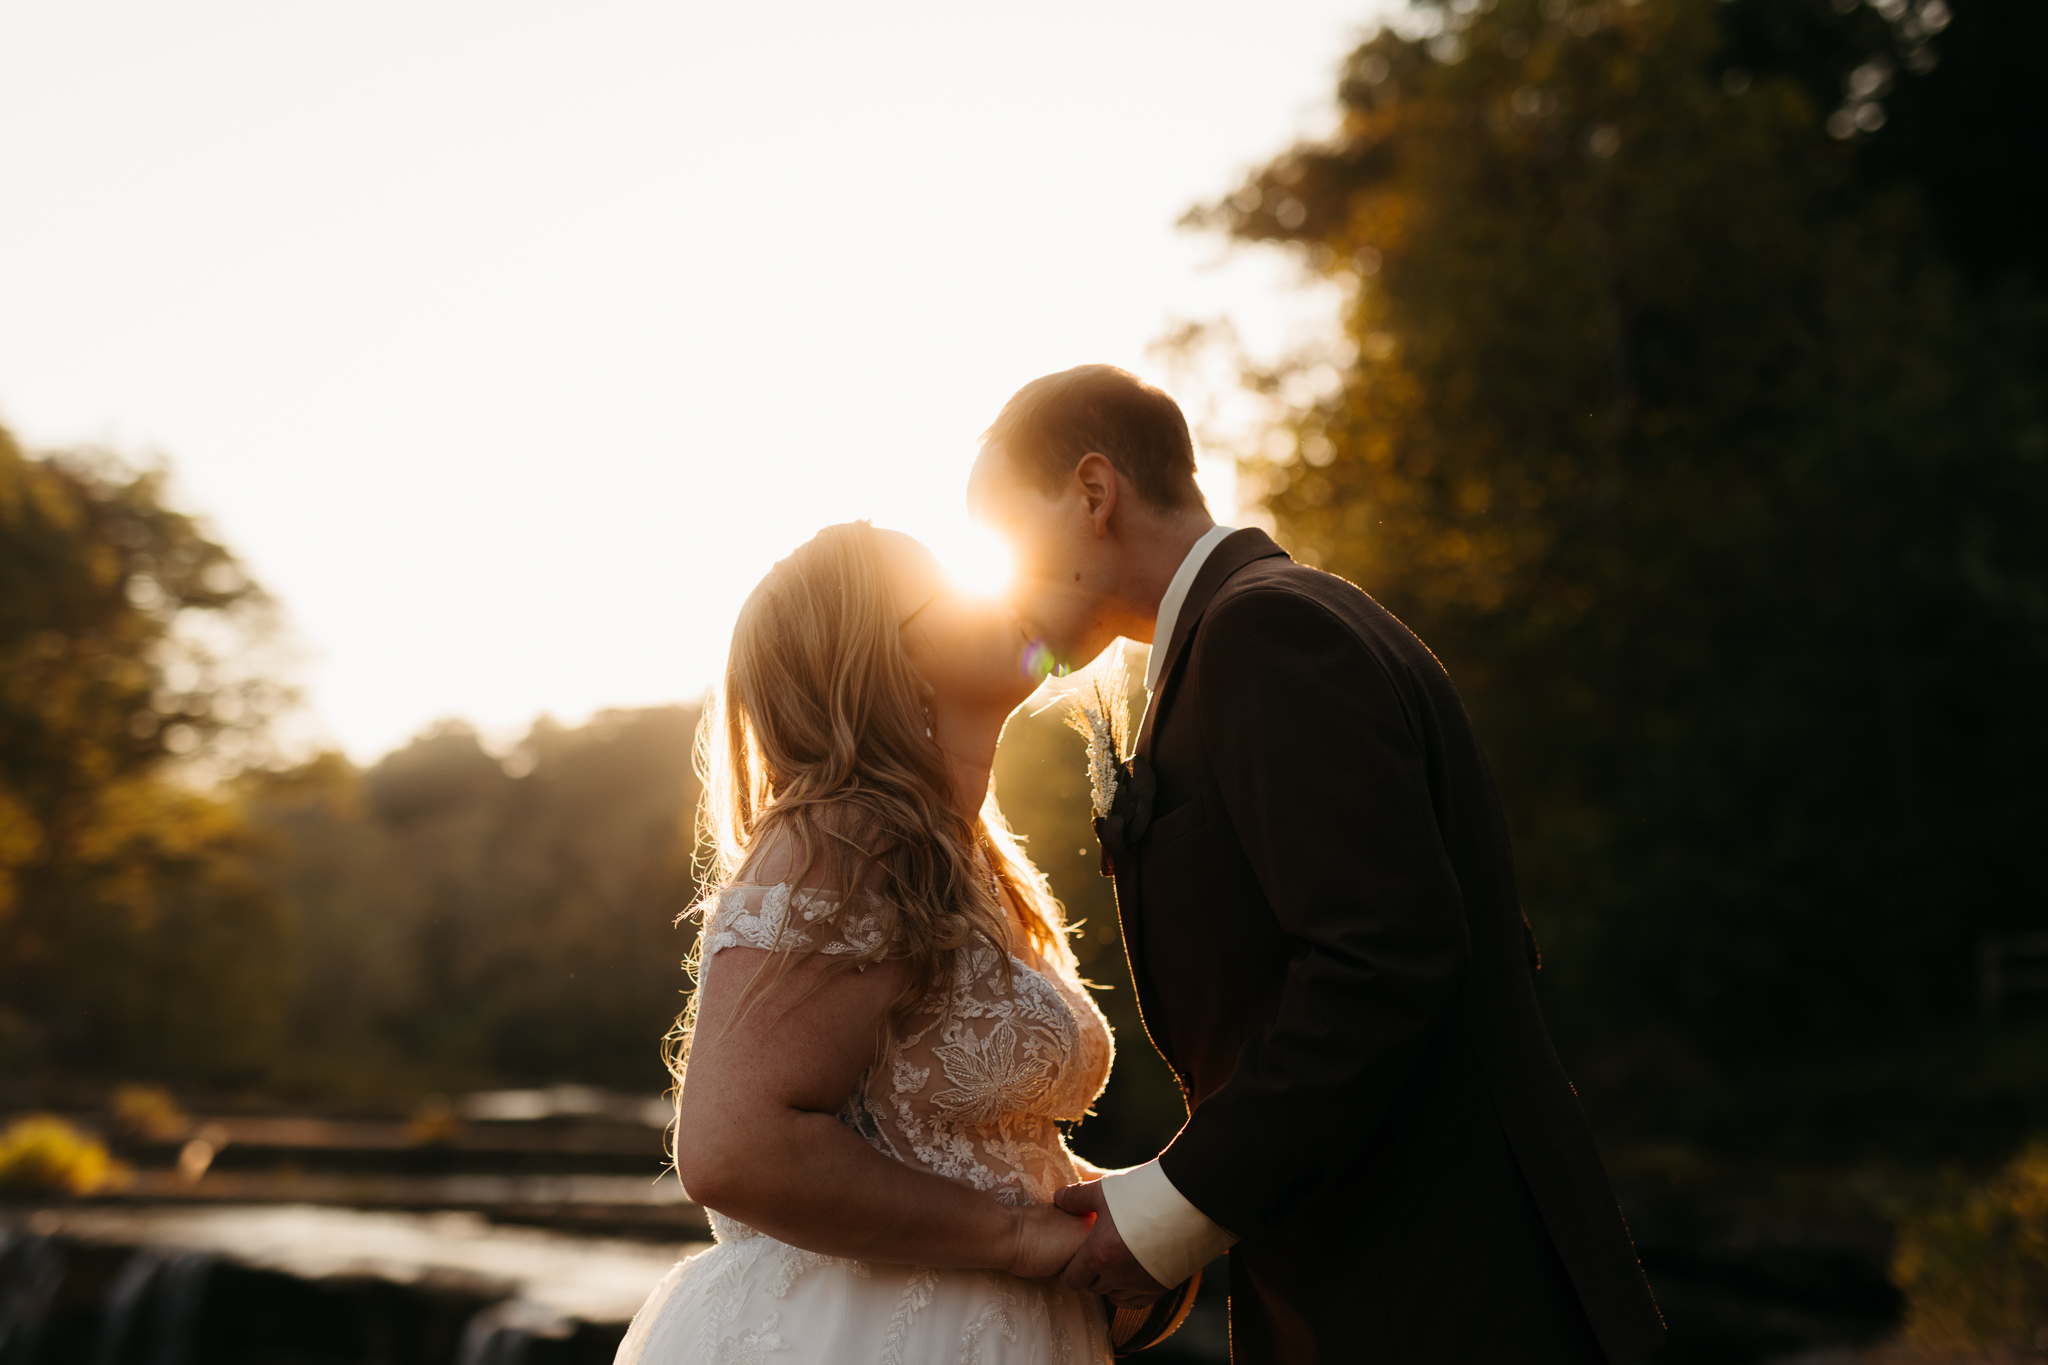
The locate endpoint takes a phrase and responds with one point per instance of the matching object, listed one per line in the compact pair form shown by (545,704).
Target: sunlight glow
(1218,481)
(510,382)
(974,558)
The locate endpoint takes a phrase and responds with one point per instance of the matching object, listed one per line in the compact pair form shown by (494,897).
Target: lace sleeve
(975,1084)
(787,919)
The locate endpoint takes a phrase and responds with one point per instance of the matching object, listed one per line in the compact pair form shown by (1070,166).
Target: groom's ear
(1096,479)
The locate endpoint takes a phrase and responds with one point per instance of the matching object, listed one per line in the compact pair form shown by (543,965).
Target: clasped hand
(1075,1238)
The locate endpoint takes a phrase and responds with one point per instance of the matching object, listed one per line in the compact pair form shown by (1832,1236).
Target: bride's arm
(758,1136)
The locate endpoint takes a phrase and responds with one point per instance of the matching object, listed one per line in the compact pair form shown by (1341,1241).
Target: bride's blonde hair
(818,744)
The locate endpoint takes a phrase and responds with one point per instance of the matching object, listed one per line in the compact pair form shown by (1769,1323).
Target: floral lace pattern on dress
(976,1089)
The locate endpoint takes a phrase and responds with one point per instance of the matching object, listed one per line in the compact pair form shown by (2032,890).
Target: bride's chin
(992,697)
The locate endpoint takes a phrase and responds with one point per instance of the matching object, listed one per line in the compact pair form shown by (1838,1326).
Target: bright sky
(510,343)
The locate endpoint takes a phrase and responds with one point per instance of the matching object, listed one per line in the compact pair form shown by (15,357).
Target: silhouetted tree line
(431,922)
(456,925)
(1693,409)
(1694,412)
(173,910)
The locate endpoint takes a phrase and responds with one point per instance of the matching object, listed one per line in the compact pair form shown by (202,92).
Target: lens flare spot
(1039,661)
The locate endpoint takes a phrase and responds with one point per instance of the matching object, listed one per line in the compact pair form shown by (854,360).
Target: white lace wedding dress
(976,1093)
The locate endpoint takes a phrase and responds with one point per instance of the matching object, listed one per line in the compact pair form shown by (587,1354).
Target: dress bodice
(972,1087)
(976,1085)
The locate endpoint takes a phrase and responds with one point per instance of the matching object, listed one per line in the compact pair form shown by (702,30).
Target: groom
(1319,906)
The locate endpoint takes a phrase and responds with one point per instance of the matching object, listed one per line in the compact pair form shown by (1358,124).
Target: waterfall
(31,1269)
(151,1312)
(503,1333)
(262,1285)
(123,1306)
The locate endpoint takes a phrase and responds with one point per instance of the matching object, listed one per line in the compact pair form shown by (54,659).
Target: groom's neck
(1154,545)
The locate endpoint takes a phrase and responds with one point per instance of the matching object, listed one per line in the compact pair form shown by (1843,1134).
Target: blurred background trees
(1692,403)
(175,905)
(178,906)
(1693,411)
(1691,406)
(131,923)
(463,921)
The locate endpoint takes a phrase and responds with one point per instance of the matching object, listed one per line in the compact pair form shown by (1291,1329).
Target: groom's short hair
(1050,423)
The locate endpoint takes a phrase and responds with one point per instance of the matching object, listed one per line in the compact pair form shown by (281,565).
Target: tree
(1936,96)
(131,934)
(457,925)
(1675,430)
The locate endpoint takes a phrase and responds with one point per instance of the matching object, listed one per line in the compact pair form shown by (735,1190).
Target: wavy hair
(819,741)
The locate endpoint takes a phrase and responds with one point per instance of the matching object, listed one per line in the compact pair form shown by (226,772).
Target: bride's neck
(968,740)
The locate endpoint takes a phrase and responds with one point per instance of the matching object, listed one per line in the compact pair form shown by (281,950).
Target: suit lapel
(1238,549)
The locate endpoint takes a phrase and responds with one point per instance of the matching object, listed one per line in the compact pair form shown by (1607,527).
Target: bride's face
(969,649)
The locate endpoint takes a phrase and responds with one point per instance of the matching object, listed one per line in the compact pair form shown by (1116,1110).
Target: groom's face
(1058,556)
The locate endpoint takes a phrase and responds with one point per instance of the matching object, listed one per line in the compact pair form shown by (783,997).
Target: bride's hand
(1046,1240)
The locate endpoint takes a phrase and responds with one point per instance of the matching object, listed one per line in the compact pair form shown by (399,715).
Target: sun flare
(974,558)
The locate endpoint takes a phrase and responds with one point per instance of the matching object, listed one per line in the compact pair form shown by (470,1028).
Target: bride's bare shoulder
(818,857)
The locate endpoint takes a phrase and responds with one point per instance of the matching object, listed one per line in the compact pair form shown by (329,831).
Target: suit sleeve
(1324,780)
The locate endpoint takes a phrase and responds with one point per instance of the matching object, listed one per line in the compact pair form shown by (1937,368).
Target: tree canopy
(1678,423)
(129,921)
(462,921)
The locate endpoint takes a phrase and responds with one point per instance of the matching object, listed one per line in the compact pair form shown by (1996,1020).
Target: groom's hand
(1104,1265)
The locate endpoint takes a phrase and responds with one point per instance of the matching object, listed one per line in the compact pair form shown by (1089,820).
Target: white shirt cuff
(1170,1237)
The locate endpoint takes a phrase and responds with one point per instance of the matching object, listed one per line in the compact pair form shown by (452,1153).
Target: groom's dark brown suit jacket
(1328,949)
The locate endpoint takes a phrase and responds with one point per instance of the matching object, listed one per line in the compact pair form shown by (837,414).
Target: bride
(889,1026)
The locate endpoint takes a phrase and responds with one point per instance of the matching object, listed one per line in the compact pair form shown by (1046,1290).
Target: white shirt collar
(1176,594)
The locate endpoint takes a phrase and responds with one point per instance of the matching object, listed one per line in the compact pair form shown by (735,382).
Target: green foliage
(148,1112)
(131,933)
(461,926)
(44,1155)
(457,926)
(1974,1269)
(168,954)
(1955,84)
(1719,493)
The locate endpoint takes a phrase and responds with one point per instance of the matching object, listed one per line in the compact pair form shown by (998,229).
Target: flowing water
(287,1284)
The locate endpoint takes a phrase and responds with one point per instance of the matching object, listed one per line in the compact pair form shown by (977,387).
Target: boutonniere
(1119,790)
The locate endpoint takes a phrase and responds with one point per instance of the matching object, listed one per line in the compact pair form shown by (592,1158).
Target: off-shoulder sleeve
(788,919)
